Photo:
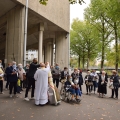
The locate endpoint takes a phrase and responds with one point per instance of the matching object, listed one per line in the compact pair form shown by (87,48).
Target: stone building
(48,29)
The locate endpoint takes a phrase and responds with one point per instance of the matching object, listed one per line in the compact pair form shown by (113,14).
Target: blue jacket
(12,78)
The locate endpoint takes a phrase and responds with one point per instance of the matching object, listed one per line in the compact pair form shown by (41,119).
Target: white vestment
(41,86)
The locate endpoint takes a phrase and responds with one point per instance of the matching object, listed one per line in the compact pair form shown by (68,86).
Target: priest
(41,84)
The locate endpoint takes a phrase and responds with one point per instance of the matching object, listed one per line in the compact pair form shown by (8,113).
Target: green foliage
(111,54)
(76,1)
(84,41)
(44,2)
(73,62)
(96,14)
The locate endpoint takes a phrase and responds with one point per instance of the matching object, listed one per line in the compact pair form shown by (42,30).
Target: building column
(15,34)
(62,49)
(53,52)
(40,45)
(48,52)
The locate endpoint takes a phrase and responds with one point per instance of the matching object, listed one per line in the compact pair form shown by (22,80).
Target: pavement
(91,108)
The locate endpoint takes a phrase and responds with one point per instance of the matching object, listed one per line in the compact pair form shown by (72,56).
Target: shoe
(116,98)
(86,93)
(1,92)
(58,102)
(72,100)
(32,98)
(111,97)
(10,95)
(15,96)
(78,100)
(27,99)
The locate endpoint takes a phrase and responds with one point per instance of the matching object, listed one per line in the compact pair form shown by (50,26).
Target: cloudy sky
(77,10)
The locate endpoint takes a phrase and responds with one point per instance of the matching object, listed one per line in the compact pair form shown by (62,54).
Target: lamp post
(25,33)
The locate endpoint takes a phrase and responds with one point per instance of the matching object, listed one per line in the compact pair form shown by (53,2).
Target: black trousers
(13,85)
(31,82)
(80,87)
(22,84)
(88,88)
(56,81)
(7,84)
(26,82)
(1,85)
(115,90)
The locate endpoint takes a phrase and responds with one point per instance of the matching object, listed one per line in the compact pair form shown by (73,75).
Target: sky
(77,10)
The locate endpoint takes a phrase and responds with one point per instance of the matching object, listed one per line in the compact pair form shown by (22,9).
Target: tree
(84,41)
(44,2)
(113,19)
(96,16)
(111,54)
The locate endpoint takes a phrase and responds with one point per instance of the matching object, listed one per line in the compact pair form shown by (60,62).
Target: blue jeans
(78,92)
(94,85)
(18,89)
(71,90)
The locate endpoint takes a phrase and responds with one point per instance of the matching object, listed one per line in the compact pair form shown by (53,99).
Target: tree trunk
(88,55)
(79,61)
(83,59)
(88,58)
(116,47)
(103,45)
(102,59)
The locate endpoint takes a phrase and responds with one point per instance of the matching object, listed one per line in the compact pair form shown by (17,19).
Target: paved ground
(91,108)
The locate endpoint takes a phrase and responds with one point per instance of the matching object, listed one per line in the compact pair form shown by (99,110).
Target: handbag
(111,85)
(102,83)
(90,83)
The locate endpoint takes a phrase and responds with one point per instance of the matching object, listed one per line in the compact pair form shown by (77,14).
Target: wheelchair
(66,94)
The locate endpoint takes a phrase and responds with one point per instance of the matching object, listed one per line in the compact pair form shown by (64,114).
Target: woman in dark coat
(102,84)
(88,82)
(80,80)
(115,79)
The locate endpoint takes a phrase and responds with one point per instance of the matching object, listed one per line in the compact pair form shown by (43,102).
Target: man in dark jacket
(7,76)
(13,78)
(31,81)
(80,80)
(56,75)
(26,68)
(64,73)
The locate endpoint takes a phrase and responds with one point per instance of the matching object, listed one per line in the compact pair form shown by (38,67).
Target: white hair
(103,72)
(19,64)
(13,62)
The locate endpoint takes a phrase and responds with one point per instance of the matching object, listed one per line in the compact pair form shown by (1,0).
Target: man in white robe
(41,85)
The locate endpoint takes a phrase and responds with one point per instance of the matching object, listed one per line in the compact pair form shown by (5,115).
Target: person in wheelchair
(77,89)
(73,88)
(69,87)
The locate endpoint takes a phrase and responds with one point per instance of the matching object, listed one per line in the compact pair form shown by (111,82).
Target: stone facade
(47,28)
(56,11)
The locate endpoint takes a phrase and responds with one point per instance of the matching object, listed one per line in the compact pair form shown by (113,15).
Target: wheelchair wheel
(62,94)
(68,100)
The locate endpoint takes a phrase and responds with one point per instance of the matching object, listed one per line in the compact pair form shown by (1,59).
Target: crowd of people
(100,81)
(38,77)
